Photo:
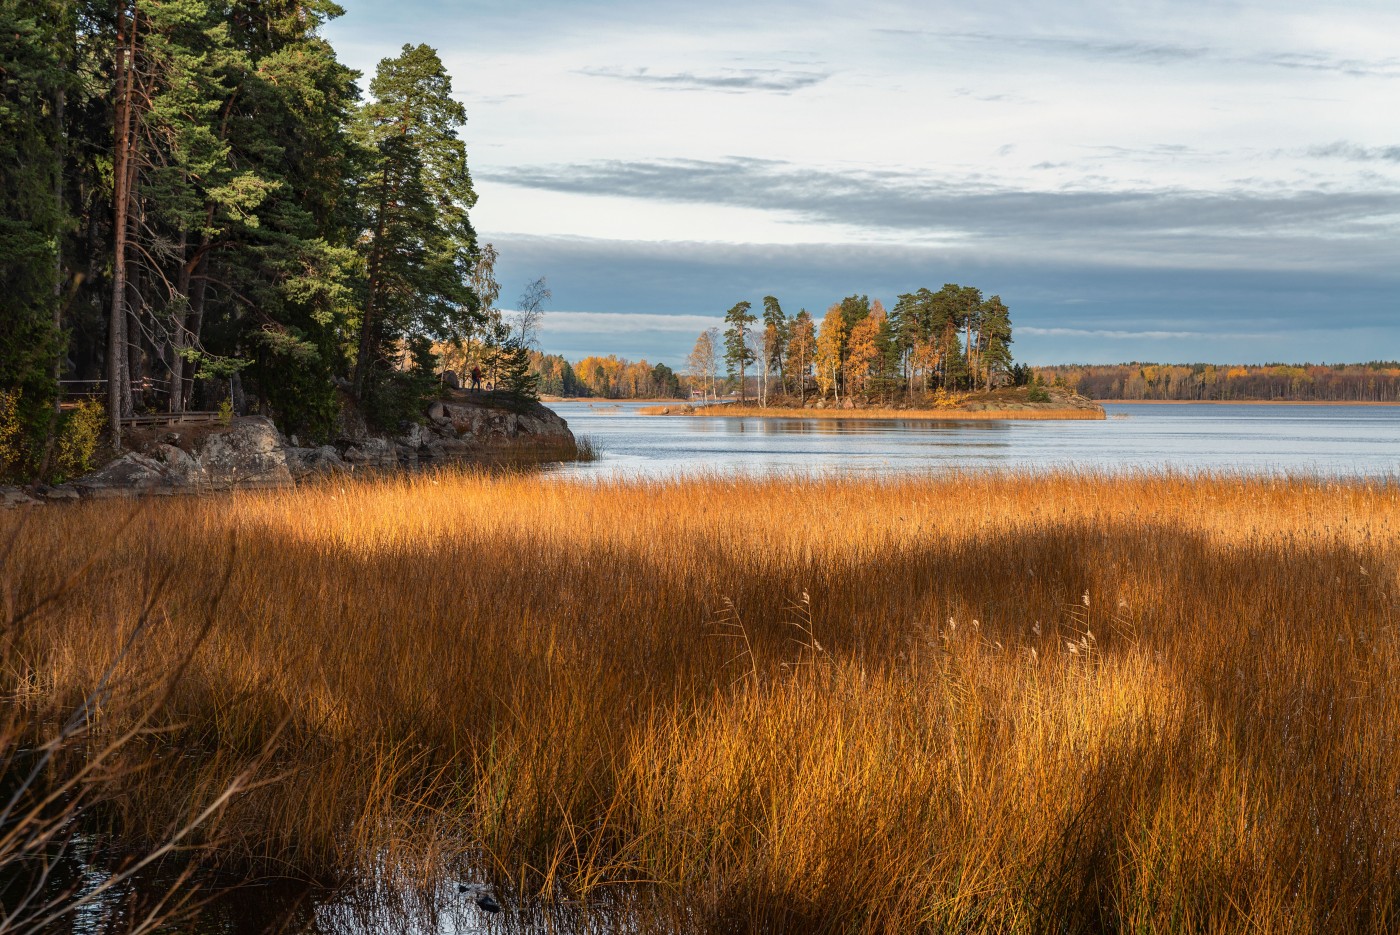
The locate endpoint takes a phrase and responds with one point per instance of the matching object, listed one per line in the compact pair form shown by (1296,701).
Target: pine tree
(995,340)
(420,244)
(737,352)
(776,329)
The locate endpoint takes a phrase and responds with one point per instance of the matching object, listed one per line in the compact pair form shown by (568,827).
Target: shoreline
(1096,414)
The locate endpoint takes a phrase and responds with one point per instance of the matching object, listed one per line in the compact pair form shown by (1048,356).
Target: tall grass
(1070,703)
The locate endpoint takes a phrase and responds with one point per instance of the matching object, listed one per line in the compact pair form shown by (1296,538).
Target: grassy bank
(1010,703)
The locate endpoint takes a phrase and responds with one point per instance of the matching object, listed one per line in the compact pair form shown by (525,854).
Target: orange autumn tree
(863,357)
(831,341)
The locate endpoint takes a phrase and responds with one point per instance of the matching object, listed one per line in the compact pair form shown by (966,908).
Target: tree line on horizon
(607,377)
(954,339)
(199,207)
(1376,381)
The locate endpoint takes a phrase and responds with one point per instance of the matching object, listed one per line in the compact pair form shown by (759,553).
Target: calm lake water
(1255,438)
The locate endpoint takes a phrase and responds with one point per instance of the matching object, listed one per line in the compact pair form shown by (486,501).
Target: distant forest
(610,377)
(1377,381)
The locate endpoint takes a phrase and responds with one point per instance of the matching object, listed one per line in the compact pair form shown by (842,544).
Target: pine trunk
(121,179)
(60,103)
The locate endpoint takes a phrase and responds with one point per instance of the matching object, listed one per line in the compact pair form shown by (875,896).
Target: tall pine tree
(420,243)
(737,352)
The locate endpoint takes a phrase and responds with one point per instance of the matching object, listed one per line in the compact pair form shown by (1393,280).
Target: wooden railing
(74,390)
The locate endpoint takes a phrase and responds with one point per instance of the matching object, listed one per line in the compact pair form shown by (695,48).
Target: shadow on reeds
(1000,704)
(67,756)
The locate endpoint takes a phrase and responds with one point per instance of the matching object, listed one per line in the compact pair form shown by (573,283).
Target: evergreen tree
(853,309)
(515,376)
(292,260)
(32,220)
(665,381)
(420,243)
(775,338)
(737,352)
(995,340)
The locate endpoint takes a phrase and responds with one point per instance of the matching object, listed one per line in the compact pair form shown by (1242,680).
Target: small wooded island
(941,355)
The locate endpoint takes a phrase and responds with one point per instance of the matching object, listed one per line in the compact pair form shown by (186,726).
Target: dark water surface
(1255,438)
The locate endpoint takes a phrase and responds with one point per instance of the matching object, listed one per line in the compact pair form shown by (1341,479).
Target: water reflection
(1340,440)
(837,426)
(288,908)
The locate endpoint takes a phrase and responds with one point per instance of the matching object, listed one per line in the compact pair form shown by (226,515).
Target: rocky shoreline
(249,453)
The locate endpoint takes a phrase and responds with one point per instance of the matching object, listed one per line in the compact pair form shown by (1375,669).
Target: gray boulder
(132,473)
(373,452)
(416,437)
(12,498)
(250,454)
(315,462)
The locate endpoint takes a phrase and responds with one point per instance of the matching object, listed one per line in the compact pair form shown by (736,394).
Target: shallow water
(1254,438)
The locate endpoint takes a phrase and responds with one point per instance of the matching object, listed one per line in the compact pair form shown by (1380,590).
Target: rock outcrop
(247,455)
(251,454)
(485,419)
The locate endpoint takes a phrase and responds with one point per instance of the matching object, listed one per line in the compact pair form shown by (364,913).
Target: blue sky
(1169,181)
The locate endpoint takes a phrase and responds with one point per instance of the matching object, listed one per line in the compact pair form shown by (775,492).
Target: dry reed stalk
(1148,702)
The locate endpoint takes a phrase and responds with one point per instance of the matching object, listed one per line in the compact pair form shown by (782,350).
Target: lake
(1247,437)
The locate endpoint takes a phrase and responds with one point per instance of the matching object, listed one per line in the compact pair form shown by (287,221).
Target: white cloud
(625,322)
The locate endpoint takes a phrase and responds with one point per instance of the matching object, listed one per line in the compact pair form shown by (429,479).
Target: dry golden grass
(735,411)
(969,703)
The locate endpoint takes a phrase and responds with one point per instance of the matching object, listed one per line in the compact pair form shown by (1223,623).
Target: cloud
(1153,53)
(1309,61)
(1355,153)
(729,80)
(1169,227)
(626,322)
(1163,53)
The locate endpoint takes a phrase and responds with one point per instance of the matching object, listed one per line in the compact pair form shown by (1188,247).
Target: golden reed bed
(734,411)
(1003,703)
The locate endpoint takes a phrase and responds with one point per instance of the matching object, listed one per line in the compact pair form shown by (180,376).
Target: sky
(1157,181)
